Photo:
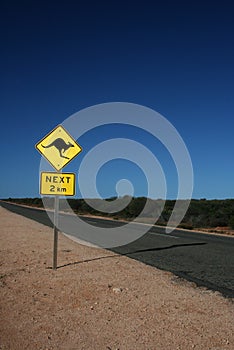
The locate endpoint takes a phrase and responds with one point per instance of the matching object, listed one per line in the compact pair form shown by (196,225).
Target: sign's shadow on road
(129,253)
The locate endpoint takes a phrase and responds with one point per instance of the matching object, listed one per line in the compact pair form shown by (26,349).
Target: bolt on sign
(58,147)
(57,184)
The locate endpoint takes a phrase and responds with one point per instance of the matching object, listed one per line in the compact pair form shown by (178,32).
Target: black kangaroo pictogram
(61,146)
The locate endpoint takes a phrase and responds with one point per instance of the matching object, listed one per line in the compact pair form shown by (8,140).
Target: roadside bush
(231,222)
(186,226)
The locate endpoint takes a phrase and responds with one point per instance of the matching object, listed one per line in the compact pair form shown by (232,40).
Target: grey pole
(56,213)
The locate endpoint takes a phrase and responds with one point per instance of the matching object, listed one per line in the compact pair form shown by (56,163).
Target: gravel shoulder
(97,299)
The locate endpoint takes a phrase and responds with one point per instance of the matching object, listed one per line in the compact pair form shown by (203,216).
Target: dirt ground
(98,300)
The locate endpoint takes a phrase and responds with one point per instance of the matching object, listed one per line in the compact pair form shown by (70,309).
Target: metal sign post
(58,148)
(56,217)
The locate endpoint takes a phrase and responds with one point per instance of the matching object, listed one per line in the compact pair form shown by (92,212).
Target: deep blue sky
(58,57)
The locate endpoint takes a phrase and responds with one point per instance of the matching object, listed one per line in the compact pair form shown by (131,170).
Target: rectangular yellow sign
(57,184)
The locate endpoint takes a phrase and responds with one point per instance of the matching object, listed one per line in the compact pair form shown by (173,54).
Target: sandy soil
(98,300)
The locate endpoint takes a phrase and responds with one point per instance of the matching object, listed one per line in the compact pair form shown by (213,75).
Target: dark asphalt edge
(226,293)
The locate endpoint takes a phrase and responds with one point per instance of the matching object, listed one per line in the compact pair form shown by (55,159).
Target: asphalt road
(207,260)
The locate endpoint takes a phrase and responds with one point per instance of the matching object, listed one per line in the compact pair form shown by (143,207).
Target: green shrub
(186,226)
(231,222)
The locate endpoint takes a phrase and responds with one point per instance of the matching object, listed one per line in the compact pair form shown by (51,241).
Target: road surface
(207,260)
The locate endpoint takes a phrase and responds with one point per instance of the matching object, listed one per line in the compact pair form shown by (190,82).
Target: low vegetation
(201,213)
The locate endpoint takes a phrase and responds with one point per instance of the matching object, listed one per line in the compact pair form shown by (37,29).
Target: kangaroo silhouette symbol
(61,146)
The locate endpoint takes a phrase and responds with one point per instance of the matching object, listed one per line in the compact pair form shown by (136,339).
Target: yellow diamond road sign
(57,184)
(58,147)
